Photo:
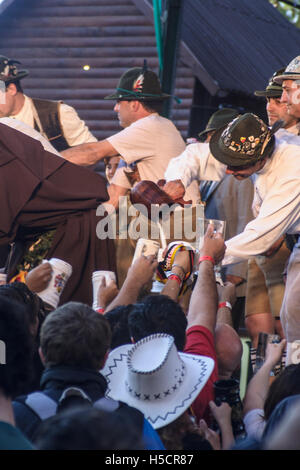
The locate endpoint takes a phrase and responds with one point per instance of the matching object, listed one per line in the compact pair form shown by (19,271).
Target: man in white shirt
(225,199)
(55,120)
(148,141)
(290,97)
(265,285)
(247,148)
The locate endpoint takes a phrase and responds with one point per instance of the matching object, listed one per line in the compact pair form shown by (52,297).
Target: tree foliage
(290,9)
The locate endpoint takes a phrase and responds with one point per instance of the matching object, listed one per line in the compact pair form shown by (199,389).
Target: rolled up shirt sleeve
(75,130)
(195,163)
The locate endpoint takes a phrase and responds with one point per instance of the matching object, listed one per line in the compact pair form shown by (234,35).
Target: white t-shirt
(255,423)
(151,142)
(74,129)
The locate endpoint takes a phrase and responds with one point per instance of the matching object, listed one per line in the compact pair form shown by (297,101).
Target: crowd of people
(125,366)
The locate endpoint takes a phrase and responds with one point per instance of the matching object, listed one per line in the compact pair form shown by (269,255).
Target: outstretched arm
(139,274)
(259,384)
(89,154)
(204,299)
(180,267)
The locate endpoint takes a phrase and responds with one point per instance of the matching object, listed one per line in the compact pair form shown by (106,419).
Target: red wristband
(100,310)
(225,304)
(207,258)
(175,277)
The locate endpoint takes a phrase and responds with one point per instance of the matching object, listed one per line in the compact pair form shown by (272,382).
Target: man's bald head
(229,350)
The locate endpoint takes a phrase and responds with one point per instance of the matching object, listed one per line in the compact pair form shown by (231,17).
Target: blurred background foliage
(290,9)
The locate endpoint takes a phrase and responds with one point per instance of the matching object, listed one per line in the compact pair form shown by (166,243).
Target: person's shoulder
(130,413)
(11,438)
(66,108)
(287,143)
(26,419)
(18,126)
(198,146)
(155,120)
(286,152)
(197,149)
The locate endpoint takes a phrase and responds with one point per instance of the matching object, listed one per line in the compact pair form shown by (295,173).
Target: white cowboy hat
(152,376)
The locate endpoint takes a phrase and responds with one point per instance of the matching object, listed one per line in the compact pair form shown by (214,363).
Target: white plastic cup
(202,224)
(61,272)
(3,279)
(145,247)
(157,287)
(97,277)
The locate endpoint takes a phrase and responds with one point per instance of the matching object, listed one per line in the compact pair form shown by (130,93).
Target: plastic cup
(61,272)
(145,247)
(96,280)
(202,224)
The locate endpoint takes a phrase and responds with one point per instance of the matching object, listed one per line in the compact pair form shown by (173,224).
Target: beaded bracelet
(207,258)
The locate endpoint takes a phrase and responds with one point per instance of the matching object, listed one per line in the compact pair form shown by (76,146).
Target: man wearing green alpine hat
(247,147)
(56,121)
(290,82)
(265,285)
(224,197)
(147,141)
(276,109)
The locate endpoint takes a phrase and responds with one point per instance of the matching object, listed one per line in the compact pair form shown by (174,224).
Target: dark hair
(153,106)
(287,383)
(17,345)
(158,314)
(270,147)
(75,335)
(182,434)
(88,429)
(19,291)
(17,84)
(118,320)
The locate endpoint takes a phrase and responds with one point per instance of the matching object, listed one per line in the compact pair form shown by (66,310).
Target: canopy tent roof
(238,45)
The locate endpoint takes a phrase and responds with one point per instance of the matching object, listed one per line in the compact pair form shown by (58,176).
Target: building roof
(4,4)
(238,44)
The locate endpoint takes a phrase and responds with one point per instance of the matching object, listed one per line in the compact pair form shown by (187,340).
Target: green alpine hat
(243,142)
(273,90)
(138,84)
(219,119)
(9,72)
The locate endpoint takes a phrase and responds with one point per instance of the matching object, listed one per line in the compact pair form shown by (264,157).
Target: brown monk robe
(41,191)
